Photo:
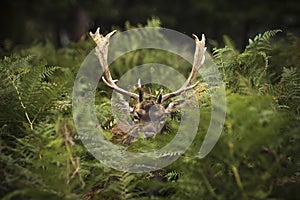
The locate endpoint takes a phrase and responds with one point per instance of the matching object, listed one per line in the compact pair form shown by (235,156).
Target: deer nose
(151,130)
(150,134)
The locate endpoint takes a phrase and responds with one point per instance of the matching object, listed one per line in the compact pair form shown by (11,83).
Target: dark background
(61,21)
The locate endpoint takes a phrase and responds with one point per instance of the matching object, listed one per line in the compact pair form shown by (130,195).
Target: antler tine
(101,53)
(140,89)
(199,58)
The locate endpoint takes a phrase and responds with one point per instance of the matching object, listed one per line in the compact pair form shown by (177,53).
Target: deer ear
(175,105)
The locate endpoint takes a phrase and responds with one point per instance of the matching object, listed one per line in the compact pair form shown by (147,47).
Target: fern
(288,89)
(127,186)
(262,41)
(251,65)
(173,175)
(28,104)
(43,158)
(35,96)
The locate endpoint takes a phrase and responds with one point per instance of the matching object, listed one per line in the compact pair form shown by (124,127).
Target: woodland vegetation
(257,156)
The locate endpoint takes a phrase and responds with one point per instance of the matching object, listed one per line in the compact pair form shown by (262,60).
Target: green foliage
(249,67)
(256,156)
(29,91)
(288,89)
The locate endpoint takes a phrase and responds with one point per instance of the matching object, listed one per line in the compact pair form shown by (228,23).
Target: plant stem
(237,177)
(208,185)
(22,104)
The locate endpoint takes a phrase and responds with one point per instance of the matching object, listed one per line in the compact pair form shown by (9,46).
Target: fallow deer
(148,115)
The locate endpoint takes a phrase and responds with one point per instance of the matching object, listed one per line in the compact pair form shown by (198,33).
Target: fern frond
(173,175)
(49,71)
(288,89)
(26,91)
(251,64)
(262,41)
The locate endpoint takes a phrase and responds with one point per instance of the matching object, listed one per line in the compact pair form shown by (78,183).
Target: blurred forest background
(60,21)
(256,46)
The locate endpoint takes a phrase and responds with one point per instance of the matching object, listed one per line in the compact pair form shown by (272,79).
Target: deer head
(149,115)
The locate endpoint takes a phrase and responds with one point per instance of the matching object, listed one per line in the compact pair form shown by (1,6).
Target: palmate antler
(199,59)
(102,51)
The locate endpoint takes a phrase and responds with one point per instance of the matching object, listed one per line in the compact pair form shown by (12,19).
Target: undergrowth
(256,157)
